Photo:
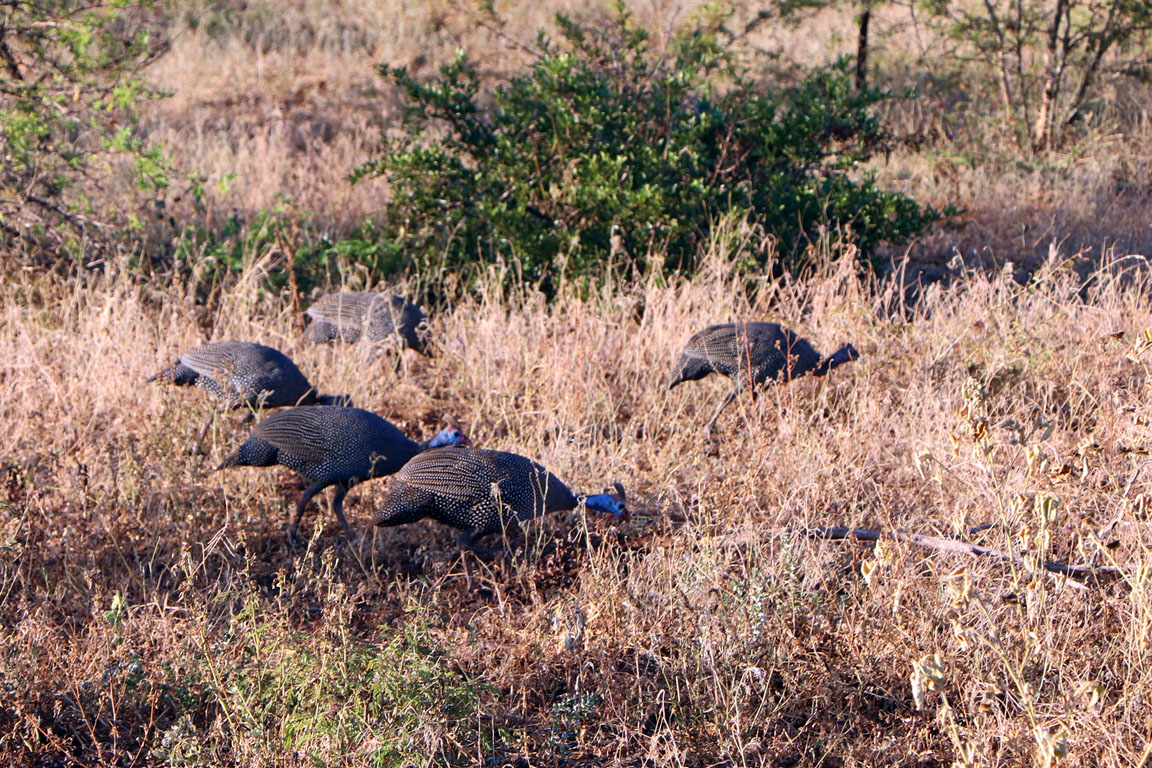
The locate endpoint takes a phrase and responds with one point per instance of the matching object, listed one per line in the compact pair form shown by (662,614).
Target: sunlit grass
(152,610)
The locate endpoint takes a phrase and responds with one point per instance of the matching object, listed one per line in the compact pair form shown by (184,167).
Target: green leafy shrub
(291,251)
(608,153)
(70,78)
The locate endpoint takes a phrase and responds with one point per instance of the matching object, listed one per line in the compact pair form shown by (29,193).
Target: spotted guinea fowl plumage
(243,374)
(331,446)
(481,492)
(752,354)
(348,316)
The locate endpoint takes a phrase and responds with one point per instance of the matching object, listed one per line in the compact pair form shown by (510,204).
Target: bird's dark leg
(723,404)
(467,542)
(338,508)
(469,582)
(198,448)
(294,518)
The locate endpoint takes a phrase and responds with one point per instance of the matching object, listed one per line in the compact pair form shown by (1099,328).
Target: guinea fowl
(482,492)
(348,316)
(752,354)
(332,445)
(245,375)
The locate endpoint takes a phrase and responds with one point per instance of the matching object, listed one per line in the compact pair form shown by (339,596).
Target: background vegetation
(607,151)
(71,82)
(151,614)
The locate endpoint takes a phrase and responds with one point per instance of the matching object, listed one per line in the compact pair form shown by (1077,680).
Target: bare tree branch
(1002,47)
(958,547)
(9,58)
(1055,58)
(1103,43)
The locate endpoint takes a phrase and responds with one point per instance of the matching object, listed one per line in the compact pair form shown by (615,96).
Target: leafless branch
(958,547)
(9,58)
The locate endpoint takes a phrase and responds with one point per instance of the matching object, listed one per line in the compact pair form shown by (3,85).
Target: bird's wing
(300,432)
(341,308)
(712,343)
(457,473)
(214,360)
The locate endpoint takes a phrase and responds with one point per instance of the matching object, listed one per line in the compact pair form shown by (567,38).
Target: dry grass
(152,614)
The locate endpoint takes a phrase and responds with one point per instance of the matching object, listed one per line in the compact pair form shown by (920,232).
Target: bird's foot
(295,543)
(490,552)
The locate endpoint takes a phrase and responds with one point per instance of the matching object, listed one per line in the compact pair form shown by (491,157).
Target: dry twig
(953,545)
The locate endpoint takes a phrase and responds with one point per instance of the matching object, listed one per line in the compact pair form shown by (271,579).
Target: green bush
(608,152)
(70,80)
(293,253)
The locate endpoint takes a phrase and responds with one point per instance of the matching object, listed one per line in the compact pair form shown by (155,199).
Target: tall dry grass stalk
(152,614)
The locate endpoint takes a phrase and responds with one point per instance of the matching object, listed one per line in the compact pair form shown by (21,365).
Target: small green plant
(293,253)
(567,715)
(609,150)
(333,697)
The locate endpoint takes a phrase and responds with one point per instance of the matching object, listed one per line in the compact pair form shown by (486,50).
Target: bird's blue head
(451,436)
(612,503)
